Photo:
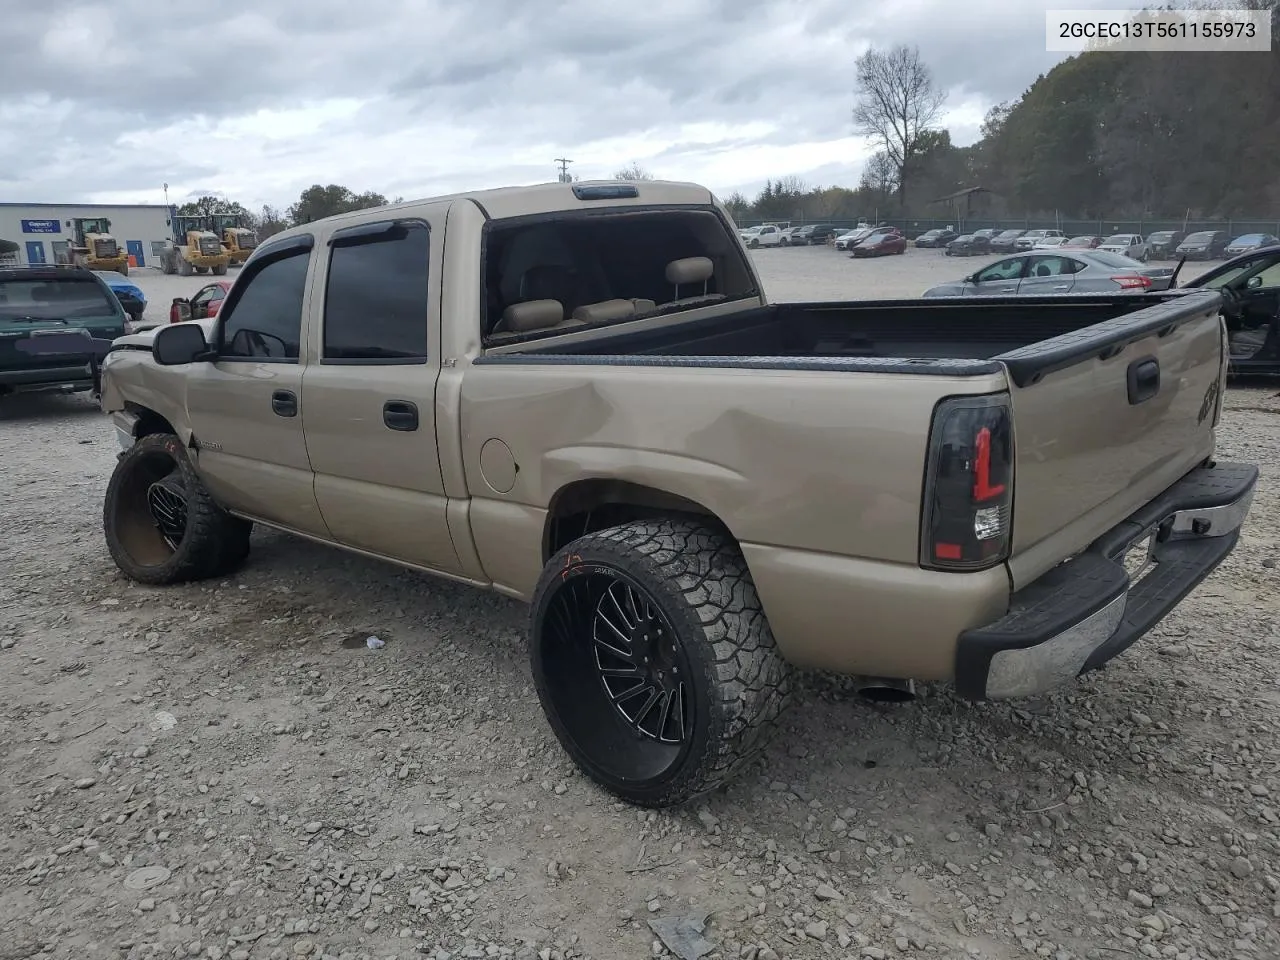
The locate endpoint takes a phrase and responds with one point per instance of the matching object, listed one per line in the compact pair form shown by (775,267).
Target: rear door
(371,413)
(1101,427)
(1047,274)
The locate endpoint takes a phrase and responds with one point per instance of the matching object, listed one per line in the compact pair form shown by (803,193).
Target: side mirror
(179,310)
(1253,283)
(969,278)
(181,343)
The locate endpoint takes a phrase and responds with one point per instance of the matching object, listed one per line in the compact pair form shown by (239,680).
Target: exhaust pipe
(886,689)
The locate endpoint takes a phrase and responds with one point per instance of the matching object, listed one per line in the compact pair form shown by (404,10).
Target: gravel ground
(227,771)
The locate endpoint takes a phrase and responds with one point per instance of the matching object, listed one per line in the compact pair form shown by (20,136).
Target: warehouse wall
(37,227)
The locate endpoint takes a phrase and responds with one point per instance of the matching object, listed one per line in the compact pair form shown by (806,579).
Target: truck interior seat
(692,272)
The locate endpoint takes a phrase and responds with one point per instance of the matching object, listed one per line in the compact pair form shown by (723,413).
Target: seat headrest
(689,270)
(532,315)
(605,310)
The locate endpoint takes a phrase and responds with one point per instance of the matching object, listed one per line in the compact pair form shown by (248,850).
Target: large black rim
(616,676)
(151,509)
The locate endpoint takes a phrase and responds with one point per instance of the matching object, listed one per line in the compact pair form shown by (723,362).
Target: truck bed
(960,337)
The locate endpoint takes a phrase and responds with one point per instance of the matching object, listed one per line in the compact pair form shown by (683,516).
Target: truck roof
(43,273)
(500,203)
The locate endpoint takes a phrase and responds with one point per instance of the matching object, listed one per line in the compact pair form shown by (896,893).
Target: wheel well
(149,422)
(589,505)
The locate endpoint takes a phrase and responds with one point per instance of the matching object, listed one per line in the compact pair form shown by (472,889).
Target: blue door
(35,252)
(134,249)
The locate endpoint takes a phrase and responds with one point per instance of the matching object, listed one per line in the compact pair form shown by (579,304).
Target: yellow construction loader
(94,247)
(195,248)
(237,239)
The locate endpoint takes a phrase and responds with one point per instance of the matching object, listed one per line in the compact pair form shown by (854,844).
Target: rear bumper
(1088,610)
(37,378)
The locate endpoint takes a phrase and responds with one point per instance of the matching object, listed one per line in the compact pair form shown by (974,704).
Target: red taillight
(968,491)
(1132,282)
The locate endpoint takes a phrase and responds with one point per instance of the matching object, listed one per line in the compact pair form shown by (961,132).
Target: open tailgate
(1105,419)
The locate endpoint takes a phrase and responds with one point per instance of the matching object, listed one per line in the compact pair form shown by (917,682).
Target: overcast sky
(104,102)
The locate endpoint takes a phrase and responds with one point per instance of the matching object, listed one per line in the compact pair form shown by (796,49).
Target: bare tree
(879,176)
(633,172)
(897,103)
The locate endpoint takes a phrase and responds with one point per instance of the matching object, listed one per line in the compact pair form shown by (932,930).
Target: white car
(1049,243)
(1129,245)
(767,235)
(1031,239)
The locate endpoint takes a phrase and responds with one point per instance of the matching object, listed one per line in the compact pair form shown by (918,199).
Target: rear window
(1114,260)
(70,298)
(588,262)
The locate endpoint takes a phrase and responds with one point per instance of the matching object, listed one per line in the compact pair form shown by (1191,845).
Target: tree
(879,177)
(270,221)
(209,205)
(633,172)
(737,205)
(897,104)
(7,247)
(317,202)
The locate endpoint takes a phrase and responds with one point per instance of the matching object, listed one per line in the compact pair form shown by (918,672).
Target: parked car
(767,235)
(879,245)
(1250,242)
(206,302)
(1163,243)
(1081,271)
(127,292)
(39,302)
(811,233)
(988,233)
(1029,239)
(677,567)
(1083,243)
(855,237)
(1050,243)
(936,238)
(1004,240)
(1129,245)
(968,245)
(1250,287)
(1203,245)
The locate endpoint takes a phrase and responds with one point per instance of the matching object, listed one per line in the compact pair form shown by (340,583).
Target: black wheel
(160,523)
(653,660)
(220,270)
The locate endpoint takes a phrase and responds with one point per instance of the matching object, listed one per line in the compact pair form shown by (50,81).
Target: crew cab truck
(579,395)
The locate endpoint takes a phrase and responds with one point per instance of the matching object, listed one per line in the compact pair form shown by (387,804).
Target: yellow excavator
(237,239)
(196,248)
(94,247)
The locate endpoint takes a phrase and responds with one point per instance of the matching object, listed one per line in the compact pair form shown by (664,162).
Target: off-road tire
(220,271)
(213,541)
(740,684)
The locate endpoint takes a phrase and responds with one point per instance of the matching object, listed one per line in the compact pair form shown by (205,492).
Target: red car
(1083,243)
(204,304)
(880,245)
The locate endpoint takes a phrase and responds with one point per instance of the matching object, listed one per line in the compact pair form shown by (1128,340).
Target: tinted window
(1002,270)
(63,298)
(266,319)
(375,307)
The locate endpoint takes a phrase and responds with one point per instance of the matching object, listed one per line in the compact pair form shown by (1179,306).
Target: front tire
(160,523)
(653,660)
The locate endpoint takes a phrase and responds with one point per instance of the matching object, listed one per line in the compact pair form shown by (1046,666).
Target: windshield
(1250,238)
(1161,237)
(62,299)
(1199,238)
(1011,233)
(1118,238)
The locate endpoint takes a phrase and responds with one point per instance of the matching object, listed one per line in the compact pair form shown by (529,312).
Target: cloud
(109,100)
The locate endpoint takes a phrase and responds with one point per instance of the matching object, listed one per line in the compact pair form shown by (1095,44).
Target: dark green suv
(39,301)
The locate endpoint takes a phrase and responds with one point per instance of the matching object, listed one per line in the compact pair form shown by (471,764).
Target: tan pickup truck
(579,395)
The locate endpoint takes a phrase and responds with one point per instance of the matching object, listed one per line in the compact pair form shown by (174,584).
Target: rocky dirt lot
(227,771)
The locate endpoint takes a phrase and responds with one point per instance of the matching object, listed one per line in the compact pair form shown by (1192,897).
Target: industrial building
(43,230)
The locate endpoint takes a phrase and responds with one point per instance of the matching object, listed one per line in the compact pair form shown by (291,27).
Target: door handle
(1143,378)
(1008,289)
(1063,286)
(284,403)
(400,415)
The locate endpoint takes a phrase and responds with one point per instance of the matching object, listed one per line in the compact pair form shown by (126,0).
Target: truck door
(246,406)
(371,416)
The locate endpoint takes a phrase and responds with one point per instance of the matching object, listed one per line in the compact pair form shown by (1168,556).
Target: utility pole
(564,169)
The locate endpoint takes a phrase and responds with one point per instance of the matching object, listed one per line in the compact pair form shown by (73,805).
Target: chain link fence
(914,226)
